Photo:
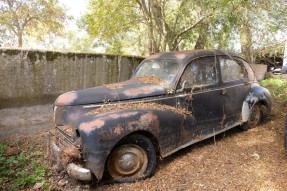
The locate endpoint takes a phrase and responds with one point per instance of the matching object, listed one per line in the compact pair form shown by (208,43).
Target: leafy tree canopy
(19,18)
(148,26)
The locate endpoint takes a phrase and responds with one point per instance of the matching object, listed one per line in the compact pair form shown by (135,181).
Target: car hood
(127,90)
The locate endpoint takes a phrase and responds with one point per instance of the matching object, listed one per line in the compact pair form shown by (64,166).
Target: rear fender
(256,95)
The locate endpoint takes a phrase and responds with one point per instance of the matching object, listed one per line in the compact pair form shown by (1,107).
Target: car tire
(255,118)
(132,160)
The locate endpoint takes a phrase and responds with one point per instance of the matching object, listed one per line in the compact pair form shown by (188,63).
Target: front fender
(100,133)
(256,94)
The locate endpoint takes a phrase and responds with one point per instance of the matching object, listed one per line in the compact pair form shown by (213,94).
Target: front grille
(66,140)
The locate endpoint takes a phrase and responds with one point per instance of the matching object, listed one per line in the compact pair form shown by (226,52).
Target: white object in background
(284,66)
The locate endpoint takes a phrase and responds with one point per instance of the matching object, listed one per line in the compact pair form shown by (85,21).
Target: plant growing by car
(21,170)
(277,87)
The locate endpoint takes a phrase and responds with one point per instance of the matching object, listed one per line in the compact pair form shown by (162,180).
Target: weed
(277,86)
(170,90)
(20,170)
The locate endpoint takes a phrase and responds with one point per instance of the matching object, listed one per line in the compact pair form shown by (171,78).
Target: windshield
(165,70)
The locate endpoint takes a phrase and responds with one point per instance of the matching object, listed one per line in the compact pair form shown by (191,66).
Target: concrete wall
(259,70)
(29,77)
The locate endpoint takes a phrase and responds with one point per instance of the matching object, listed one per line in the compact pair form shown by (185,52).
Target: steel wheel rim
(127,161)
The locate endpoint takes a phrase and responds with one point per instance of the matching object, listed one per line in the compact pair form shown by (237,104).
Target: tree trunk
(20,39)
(203,33)
(246,38)
(200,42)
(246,43)
(147,10)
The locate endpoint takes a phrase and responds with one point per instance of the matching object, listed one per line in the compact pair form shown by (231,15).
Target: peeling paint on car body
(66,99)
(88,127)
(256,94)
(205,112)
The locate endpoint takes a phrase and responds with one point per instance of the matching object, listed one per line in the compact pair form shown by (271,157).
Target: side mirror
(182,88)
(184,85)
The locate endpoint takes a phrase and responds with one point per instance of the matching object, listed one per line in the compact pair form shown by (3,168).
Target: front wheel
(133,160)
(255,118)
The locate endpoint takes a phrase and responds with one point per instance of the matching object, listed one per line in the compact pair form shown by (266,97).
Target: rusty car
(174,99)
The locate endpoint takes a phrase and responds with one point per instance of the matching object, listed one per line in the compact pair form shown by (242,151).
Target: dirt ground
(24,120)
(234,160)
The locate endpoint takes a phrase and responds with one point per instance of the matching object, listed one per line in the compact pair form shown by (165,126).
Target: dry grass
(114,85)
(148,79)
(144,79)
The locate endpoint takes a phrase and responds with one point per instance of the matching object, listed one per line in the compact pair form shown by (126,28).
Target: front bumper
(73,170)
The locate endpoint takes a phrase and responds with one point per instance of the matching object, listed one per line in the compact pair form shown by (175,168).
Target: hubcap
(127,161)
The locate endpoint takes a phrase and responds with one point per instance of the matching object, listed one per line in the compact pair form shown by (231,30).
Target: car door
(202,96)
(234,88)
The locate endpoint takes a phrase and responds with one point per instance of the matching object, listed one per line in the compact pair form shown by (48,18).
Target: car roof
(185,56)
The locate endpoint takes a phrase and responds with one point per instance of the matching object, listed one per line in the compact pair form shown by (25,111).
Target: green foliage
(82,43)
(20,18)
(277,86)
(20,170)
(170,90)
(148,26)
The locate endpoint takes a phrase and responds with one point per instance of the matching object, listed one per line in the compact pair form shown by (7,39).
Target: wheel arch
(257,95)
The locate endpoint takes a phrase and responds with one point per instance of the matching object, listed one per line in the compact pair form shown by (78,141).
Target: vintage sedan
(173,99)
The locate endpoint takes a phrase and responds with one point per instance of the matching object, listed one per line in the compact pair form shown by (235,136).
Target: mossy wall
(29,77)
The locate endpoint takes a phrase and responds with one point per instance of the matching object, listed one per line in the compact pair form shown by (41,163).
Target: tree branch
(191,27)
(179,13)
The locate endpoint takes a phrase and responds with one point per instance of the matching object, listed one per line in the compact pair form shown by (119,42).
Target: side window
(231,70)
(251,75)
(200,72)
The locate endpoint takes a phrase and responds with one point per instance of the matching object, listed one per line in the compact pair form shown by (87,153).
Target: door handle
(223,92)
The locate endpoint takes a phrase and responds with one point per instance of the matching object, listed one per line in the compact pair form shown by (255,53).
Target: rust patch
(88,127)
(137,91)
(72,152)
(118,130)
(123,115)
(66,99)
(154,56)
(133,126)
(150,120)
(180,56)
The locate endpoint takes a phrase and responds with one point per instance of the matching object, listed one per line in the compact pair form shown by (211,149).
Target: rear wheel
(133,160)
(255,118)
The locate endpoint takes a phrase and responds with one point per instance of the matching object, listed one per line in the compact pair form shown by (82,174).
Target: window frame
(243,68)
(202,87)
